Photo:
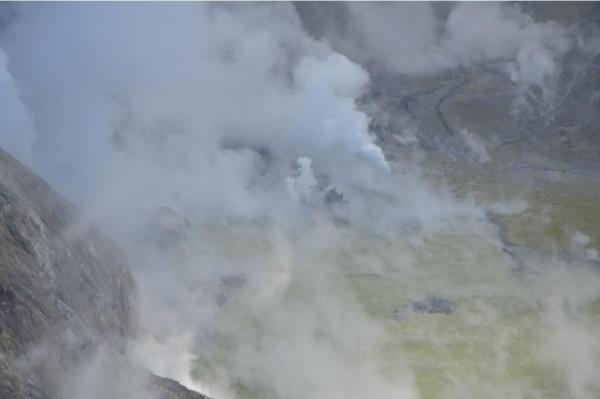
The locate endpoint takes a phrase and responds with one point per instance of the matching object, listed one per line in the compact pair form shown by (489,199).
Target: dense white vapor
(380,33)
(204,108)
(477,32)
(304,186)
(411,38)
(176,91)
(283,212)
(16,125)
(333,81)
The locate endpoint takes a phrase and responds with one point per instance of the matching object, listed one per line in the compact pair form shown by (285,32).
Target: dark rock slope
(65,290)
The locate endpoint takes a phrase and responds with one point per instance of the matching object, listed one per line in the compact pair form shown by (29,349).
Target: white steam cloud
(278,253)
(16,125)
(189,88)
(412,38)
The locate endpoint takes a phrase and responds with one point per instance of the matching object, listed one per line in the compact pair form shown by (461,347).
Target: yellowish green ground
(339,303)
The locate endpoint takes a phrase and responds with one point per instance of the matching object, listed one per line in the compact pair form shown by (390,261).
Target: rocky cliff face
(65,290)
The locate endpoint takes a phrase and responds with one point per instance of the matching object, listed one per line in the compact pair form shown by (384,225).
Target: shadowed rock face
(165,388)
(54,273)
(65,290)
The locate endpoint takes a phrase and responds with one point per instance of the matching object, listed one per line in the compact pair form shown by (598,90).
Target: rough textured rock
(434,305)
(55,272)
(428,305)
(62,285)
(165,388)
(65,290)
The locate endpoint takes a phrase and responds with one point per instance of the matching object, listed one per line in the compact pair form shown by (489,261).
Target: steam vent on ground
(320,200)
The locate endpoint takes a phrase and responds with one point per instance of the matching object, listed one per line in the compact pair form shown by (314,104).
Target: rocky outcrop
(165,388)
(65,290)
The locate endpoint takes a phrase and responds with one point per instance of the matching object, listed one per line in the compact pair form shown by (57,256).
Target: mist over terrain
(326,200)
